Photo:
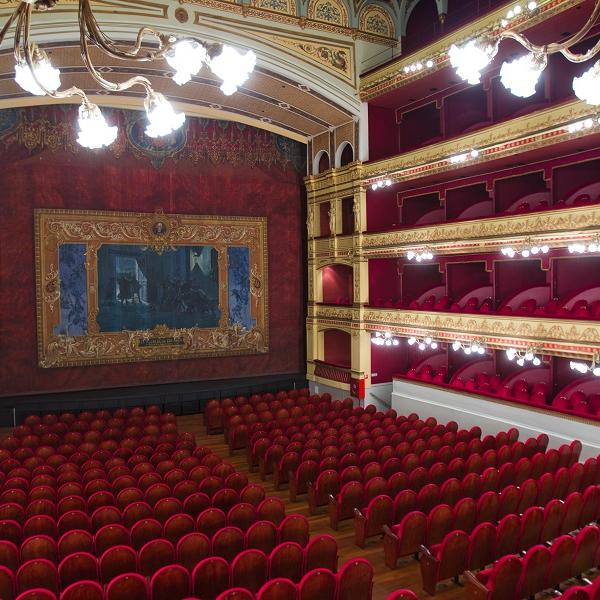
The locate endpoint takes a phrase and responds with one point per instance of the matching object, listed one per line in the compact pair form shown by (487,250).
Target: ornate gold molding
(560,337)
(543,128)
(299,21)
(160,233)
(392,76)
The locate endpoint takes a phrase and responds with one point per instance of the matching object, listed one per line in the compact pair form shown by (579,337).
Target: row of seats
(216,410)
(246,578)
(570,555)
(541,568)
(438,518)
(581,309)
(584,592)
(537,394)
(328,483)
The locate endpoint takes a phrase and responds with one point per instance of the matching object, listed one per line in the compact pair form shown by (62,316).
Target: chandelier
(474,347)
(35,74)
(522,74)
(521,357)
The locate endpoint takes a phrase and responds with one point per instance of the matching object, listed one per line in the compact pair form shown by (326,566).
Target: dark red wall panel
(214,168)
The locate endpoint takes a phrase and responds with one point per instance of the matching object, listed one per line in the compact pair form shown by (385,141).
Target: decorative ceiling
(306,79)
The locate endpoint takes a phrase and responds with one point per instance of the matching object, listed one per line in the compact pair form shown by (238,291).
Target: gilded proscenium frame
(95,228)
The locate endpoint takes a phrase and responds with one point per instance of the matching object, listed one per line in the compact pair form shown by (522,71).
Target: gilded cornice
(301,22)
(540,129)
(560,337)
(553,227)
(392,76)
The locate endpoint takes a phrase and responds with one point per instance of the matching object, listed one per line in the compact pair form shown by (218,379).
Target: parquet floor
(386,580)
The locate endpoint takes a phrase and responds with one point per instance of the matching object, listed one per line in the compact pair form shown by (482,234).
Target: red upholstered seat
(448,560)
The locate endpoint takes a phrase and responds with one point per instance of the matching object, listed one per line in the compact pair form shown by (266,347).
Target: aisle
(386,580)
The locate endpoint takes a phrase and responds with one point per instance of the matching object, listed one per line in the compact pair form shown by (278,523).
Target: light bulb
(474,153)
(481,350)
(388,182)
(467,350)
(186,57)
(428,340)
(535,250)
(429,64)
(411,341)
(532,5)
(45,73)
(510,353)
(388,342)
(387,334)
(596,371)
(94,132)
(536,362)
(528,356)
(517,9)
(471,58)
(434,345)
(587,87)
(374,186)
(456,346)
(421,346)
(233,68)
(419,258)
(522,74)
(593,247)
(525,253)
(520,362)
(410,255)
(161,116)
(395,342)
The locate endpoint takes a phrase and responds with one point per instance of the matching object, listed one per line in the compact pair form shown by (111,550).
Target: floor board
(386,580)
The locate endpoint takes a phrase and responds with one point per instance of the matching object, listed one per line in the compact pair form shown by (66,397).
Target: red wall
(337,347)
(219,169)
(337,284)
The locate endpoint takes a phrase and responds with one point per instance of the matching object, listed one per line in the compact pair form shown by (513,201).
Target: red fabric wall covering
(337,284)
(221,169)
(387,361)
(337,347)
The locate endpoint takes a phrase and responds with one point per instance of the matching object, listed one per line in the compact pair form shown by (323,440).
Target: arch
(421,24)
(344,154)
(321,162)
(329,11)
(376,20)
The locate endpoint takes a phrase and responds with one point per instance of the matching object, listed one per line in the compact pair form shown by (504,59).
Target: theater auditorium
(299,299)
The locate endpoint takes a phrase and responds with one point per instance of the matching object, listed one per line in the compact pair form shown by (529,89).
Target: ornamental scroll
(118,287)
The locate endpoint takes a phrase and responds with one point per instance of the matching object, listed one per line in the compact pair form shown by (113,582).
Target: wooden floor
(386,580)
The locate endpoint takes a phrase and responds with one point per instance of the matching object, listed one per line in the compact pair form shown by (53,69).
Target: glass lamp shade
(587,87)
(45,73)
(161,116)
(94,132)
(522,74)
(187,58)
(471,58)
(233,68)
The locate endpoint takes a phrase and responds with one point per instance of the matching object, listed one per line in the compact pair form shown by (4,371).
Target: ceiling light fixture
(522,357)
(384,339)
(35,74)
(522,74)
(526,249)
(581,248)
(423,343)
(474,347)
(583,368)
(420,256)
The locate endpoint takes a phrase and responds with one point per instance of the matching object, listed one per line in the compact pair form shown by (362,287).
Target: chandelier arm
(579,58)
(24,27)
(562,47)
(105,83)
(89,23)
(10,21)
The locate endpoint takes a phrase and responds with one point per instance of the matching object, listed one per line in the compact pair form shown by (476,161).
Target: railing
(332,372)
